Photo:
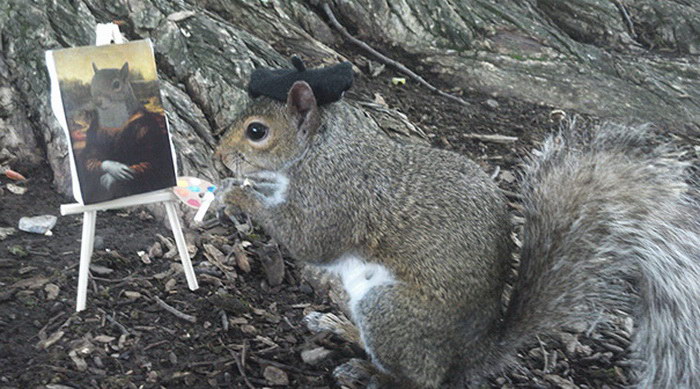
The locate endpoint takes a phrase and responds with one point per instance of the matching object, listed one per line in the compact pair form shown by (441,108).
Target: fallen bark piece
(156,250)
(16,189)
(35,282)
(80,363)
(167,242)
(52,291)
(315,355)
(5,232)
(133,295)
(276,376)
(242,259)
(48,342)
(101,270)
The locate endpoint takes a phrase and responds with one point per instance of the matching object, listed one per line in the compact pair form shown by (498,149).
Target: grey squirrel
(420,239)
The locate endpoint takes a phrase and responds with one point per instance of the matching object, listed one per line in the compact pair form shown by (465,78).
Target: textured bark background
(634,60)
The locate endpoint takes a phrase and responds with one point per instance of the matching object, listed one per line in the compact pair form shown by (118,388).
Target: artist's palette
(194,191)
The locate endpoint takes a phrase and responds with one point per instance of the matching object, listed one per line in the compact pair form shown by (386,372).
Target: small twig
(289,323)
(627,17)
(128,278)
(545,368)
(114,322)
(222,361)
(174,311)
(386,60)
(239,362)
(51,321)
(156,344)
(244,352)
(491,138)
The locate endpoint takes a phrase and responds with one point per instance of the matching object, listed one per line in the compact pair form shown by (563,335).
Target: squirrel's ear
(301,105)
(124,71)
(94,67)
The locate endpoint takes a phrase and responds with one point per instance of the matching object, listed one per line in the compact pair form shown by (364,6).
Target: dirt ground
(243,327)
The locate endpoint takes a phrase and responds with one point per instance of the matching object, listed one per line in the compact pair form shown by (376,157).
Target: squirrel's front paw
(246,194)
(241,198)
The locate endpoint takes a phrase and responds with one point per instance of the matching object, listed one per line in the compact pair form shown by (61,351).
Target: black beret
(328,83)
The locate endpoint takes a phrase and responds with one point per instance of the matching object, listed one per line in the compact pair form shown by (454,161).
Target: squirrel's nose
(228,161)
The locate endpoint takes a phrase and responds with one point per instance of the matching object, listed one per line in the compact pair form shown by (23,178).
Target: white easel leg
(181,246)
(86,245)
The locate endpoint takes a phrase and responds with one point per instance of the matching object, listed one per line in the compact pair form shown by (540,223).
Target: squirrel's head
(270,135)
(110,84)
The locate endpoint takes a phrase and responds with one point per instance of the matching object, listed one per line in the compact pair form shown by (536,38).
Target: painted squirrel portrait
(421,237)
(127,145)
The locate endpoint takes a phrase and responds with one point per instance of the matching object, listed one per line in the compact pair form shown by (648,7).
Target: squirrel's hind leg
(355,373)
(404,342)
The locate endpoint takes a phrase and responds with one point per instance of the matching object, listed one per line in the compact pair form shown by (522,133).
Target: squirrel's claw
(361,373)
(319,322)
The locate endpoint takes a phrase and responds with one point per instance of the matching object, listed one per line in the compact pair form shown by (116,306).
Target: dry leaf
(35,282)
(80,363)
(213,254)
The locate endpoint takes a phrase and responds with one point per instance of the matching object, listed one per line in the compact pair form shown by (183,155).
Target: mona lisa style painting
(108,100)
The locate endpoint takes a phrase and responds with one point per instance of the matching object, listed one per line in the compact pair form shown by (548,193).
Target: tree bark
(626,59)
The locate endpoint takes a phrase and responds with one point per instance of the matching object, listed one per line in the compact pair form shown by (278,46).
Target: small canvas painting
(108,100)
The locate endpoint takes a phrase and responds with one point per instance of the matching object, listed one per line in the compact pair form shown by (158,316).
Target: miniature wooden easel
(106,34)
(87,241)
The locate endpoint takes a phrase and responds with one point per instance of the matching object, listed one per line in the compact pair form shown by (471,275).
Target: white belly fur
(359,277)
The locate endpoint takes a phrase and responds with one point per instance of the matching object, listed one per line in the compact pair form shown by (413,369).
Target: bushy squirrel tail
(611,223)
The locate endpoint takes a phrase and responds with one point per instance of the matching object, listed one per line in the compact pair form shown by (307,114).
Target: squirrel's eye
(116,84)
(256,131)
